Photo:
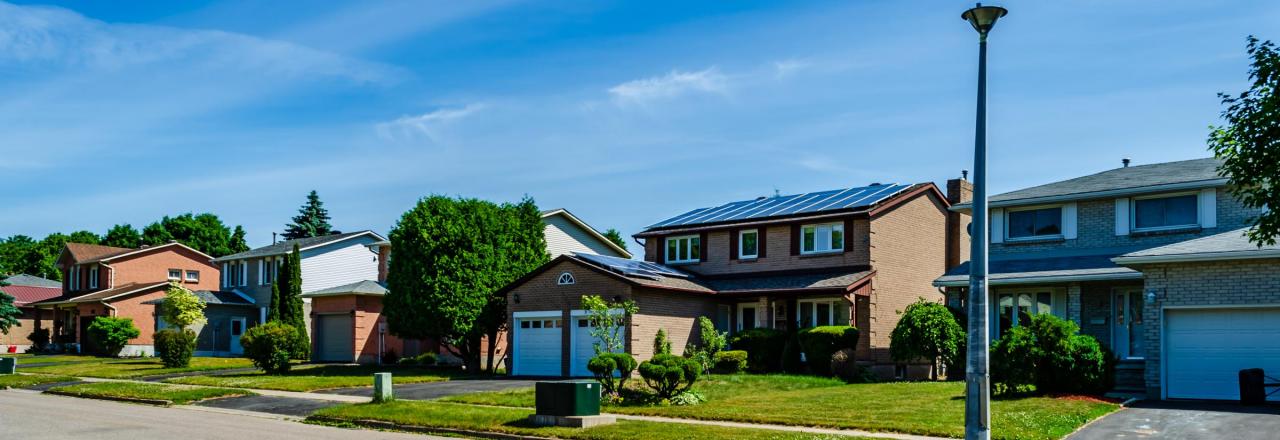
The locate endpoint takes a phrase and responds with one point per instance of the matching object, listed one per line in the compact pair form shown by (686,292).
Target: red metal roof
(28,294)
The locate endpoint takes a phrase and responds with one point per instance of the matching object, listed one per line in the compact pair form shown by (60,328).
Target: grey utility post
(382,390)
(977,408)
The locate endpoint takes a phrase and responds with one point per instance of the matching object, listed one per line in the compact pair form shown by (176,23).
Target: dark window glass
(1165,212)
(748,318)
(524,324)
(1035,222)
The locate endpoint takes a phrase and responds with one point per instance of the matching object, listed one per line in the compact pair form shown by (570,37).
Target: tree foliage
(616,237)
(203,232)
(927,330)
(9,312)
(124,236)
(181,307)
(288,295)
(312,220)
(110,334)
(1249,143)
(270,346)
(452,256)
(608,321)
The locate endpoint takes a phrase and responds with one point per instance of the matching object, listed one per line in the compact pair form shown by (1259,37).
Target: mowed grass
(315,378)
(27,380)
(26,359)
(176,394)
(131,368)
(514,421)
(925,408)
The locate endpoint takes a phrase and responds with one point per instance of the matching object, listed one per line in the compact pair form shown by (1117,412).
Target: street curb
(376,424)
(153,402)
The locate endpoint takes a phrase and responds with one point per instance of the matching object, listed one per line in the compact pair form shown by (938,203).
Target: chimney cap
(1125,161)
(964,174)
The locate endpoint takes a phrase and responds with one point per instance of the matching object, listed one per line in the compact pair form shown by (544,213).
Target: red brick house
(121,282)
(855,256)
(26,289)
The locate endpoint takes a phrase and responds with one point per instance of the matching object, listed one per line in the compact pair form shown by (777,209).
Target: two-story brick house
(129,283)
(1095,250)
(855,256)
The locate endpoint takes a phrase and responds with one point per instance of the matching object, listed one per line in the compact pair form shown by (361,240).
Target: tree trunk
(493,345)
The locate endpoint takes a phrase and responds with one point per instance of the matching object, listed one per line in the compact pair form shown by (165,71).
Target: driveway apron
(1186,420)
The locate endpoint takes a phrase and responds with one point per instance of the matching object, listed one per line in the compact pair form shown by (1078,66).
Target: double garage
(539,341)
(1205,348)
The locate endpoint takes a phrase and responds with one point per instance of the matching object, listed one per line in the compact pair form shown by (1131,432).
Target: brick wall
(367,313)
(542,293)
(777,253)
(1240,282)
(958,246)
(153,267)
(26,324)
(676,313)
(144,315)
(908,251)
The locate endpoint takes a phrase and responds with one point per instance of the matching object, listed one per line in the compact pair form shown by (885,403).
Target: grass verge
(146,392)
(131,368)
(924,408)
(315,378)
(27,380)
(455,419)
(27,359)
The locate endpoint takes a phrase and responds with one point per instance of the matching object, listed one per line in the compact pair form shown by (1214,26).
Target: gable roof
(1231,245)
(81,252)
(25,280)
(284,247)
(590,230)
(366,287)
(105,295)
(837,200)
(1137,179)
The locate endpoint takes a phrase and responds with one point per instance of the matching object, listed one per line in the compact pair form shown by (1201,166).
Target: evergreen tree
(312,220)
(291,305)
(616,237)
(124,236)
(238,243)
(273,310)
(9,312)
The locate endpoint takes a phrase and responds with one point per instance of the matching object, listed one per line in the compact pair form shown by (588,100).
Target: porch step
(1130,377)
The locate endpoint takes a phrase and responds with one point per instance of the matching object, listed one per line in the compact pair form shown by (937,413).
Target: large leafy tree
(312,220)
(616,237)
(1249,143)
(452,256)
(203,232)
(124,236)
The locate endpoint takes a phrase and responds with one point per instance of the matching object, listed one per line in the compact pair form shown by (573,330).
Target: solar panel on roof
(632,268)
(833,200)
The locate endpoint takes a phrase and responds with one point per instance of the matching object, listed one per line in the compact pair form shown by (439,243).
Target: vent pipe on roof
(964,174)
(273,238)
(1125,161)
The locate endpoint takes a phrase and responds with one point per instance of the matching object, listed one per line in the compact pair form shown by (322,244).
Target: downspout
(114,312)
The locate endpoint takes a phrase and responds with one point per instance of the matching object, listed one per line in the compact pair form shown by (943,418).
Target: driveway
(436,390)
(1186,420)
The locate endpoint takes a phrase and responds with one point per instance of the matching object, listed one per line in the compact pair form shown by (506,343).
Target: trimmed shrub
(845,366)
(605,364)
(39,338)
(819,343)
(175,346)
(1050,355)
(390,357)
(791,355)
(926,331)
(1013,361)
(110,335)
(661,345)
(425,359)
(669,375)
(712,341)
(270,346)
(764,347)
(731,361)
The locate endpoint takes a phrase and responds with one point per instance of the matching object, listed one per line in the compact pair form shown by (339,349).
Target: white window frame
(755,316)
(687,241)
(262,272)
(566,279)
(73,276)
(226,274)
(186,276)
(1062,223)
(172,277)
(244,273)
(1133,211)
(834,226)
(93,277)
(742,255)
(831,311)
(1058,303)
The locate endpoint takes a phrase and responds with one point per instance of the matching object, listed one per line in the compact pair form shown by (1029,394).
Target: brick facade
(366,312)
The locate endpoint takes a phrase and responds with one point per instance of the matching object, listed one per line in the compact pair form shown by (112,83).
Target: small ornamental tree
(669,375)
(1249,143)
(661,345)
(9,312)
(608,326)
(110,334)
(926,330)
(181,308)
(606,365)
(711,342)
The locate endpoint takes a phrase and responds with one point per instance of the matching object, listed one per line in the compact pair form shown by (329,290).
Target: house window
(1034,223)
(1015,307)
(73,278)
(822,238)
(226,275)
(749,244)
(93,278)
(175,274)
(244,273)
(565,279)
(685,249)
(193,275)
(818,312)
(1165,212)
(746,316)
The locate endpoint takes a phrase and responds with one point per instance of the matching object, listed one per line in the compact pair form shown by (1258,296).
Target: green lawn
(177,394)
(26,380)
(926,408)
(513,421)
(26,359)
(315,378)
(130,368)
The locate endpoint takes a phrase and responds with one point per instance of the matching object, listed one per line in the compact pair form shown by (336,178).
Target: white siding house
(341,263)
(566,233)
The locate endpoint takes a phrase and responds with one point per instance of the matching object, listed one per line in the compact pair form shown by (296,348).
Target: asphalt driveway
(436,390)
(1186,420)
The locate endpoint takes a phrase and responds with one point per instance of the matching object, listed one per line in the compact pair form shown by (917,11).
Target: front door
(237,329)
(1126,318)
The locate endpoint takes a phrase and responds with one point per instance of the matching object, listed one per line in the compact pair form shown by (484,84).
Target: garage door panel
(538,347)
(1206,348)
(337,338)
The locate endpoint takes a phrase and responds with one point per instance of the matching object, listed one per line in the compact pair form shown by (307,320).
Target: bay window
(822,238)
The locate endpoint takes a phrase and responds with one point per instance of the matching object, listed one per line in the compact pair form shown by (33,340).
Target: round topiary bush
(819,343)
(270,346)
(669,375)
(175,347)
(731,361)
(605,365)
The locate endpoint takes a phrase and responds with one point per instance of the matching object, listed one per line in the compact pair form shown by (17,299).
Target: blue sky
(623,112)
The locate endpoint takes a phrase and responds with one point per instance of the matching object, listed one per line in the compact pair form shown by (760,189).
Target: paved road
(436,390)
(24,415)
(1186,420)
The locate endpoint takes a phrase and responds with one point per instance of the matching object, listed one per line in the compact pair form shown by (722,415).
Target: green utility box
(9,365)
(566,399)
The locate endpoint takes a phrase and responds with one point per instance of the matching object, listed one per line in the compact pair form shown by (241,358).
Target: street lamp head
(984,17)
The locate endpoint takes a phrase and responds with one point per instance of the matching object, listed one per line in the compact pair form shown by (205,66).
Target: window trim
(738,312)
(743,255)
(1062,222)
(175,278)
(186,276)
(1133,211)
(1059,301)
(566,279)
(93,277)
(844,237)
(831,311)
(671,258)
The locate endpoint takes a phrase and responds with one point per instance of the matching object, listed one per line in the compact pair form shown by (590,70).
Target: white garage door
(1206,349)
(537,346)
(336,338)
(583,348)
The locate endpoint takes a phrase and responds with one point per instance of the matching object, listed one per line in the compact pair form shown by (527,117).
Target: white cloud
(671,85)
(786,68)
(427,124)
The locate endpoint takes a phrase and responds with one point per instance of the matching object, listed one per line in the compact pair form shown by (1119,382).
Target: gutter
(966,207)
(1044,279)
(1205,256)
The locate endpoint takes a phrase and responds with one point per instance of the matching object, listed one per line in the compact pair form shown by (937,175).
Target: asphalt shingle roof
(1137,176)
(23,295)
(32,281)
(79,297)
(214,297)
(286,246)
(820,280)
(81,252)
(1224,243)
(358,288)
(1043,267)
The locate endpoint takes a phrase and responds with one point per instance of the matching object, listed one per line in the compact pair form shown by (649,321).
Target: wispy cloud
(785,68)
(673,84)
(427,124)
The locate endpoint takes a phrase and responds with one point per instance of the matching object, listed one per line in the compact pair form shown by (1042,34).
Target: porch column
(1073,303)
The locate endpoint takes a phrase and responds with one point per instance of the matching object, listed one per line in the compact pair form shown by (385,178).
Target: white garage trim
(1164,343)
(537,314)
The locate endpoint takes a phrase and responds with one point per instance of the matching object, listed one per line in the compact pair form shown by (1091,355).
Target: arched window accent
(565,279)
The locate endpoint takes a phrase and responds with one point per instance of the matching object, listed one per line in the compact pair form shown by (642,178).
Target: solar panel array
(838,199)
(633,268)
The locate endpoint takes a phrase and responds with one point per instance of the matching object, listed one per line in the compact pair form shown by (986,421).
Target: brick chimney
(384,259)
(958,191)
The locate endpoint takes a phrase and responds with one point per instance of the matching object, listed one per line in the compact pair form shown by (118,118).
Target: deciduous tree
(1249,143)
(124,236)
(926,330)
